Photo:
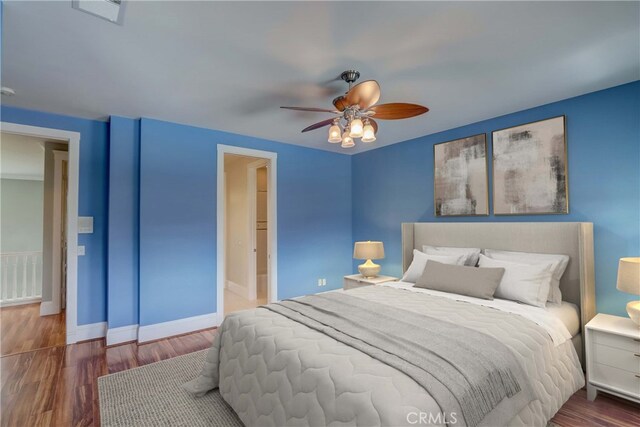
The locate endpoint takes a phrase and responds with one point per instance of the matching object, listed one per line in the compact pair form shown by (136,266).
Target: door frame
(56,244)
(73,176)
(252,174)
(220,223)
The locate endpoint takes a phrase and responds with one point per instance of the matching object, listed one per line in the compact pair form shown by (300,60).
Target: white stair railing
(20,278)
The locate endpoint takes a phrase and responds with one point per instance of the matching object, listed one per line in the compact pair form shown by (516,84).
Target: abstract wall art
(530,169)
(460,177)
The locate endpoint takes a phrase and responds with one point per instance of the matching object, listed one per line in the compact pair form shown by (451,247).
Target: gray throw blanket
(468,373)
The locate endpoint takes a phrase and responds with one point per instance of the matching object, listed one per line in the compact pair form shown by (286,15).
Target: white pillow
(526,283)
(471,254)
(415,270)
(559,265)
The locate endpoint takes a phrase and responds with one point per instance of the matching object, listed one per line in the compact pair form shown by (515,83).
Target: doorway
(57,274)
(33,181)
(258,194)
(247,232)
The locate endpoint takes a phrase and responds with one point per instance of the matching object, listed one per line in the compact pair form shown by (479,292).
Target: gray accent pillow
(460,279)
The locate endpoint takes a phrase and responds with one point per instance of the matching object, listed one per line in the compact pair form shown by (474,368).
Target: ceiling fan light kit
(368,133)
(357,130)
(356,108)
(347,141)
(335,133)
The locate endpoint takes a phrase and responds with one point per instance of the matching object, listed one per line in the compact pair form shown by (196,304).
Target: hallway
(22,329)
(234,302)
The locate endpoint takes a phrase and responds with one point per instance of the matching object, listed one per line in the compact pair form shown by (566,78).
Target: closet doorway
(248,232)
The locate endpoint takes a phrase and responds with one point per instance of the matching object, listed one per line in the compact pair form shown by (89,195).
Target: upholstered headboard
(571,238)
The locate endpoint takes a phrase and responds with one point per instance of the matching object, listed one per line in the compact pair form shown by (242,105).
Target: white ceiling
(21,157)
(230,65)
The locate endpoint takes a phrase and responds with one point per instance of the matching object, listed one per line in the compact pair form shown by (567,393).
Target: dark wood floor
(57,386)
(606,410)
(23,329)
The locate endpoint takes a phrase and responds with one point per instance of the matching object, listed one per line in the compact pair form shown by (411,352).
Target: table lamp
(368,250)
(629,282)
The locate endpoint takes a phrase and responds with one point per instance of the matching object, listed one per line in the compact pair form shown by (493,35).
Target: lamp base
(633,309)
(369,269)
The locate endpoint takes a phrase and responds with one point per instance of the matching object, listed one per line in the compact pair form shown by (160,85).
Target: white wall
(22,157)
(21,203)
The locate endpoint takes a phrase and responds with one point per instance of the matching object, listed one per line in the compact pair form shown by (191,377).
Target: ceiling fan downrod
(350,76)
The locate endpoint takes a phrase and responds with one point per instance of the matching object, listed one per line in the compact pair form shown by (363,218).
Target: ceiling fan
(357,109)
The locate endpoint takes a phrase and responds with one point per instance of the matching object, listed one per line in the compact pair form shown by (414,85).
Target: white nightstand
(613,357)
(358,281)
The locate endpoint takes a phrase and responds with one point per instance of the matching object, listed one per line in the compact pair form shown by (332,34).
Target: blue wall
(92,267)
(124,216)
(394,184)
(178,218)
(173,169)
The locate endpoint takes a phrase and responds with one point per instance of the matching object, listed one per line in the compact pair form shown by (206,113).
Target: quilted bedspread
(274,371)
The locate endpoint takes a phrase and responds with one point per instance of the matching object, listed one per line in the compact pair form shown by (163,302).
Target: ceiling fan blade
(313,109)
(340,103)
(318,125)
(364,94)
(397,110)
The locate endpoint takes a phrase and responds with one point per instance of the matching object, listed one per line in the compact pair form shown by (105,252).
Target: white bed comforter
(274,371)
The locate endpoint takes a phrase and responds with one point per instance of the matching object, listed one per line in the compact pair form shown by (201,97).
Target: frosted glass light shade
(369,134)
(347,141)
(368,250)
(335,134)
(629,275)
(356,128)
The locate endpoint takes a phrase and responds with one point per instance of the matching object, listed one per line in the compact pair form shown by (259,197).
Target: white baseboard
(122,334)
(176,327)
(20,301)
(48,308)
(90,331)
(237,289)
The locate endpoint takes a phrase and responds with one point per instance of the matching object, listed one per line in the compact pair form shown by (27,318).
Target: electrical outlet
(324,282)
(319,282)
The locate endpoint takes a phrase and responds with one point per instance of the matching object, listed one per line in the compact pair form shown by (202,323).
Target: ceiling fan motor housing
(350,76)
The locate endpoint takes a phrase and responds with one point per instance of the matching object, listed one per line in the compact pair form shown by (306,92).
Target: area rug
(151,396)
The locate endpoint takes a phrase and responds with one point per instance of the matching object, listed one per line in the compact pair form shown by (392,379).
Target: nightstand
(613,357)
(358,281)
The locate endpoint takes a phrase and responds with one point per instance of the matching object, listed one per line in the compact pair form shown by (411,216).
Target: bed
(276,369)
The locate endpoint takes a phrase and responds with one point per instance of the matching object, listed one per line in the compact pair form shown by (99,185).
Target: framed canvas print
(530,169)
(460,177)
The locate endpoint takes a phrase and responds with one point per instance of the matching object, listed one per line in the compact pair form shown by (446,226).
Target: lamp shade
(368,250)
(629,275)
